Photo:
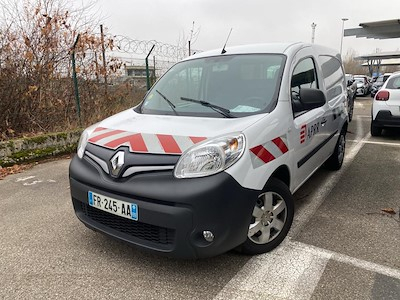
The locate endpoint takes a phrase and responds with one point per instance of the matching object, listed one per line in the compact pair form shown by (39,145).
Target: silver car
(363,87)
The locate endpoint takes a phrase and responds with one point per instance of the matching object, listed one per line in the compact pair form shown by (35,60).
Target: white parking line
(359,263)
(33,182)
(381,143)
(375,142)
(24,178)
(288,272)
(292,271)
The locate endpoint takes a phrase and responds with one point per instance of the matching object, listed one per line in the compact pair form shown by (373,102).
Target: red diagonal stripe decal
(197,139)
(262,154)
(135,141)
(104,135)
(280,144)
(168,143)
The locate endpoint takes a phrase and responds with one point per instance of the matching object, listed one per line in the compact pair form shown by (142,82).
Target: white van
(209,160)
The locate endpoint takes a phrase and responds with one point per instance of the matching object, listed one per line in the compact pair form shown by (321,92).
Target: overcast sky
(253,21)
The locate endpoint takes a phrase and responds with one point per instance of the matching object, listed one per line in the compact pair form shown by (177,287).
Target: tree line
(36,88)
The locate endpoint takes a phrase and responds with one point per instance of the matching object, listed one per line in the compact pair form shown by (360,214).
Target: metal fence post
(75,79)
(147,69)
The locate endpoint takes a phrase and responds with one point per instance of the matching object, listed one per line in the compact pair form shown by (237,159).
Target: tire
(351,114)
(351,110)
(375,130)
(271,219)
(335,161)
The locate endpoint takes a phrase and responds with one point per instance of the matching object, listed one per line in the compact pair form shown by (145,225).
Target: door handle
(323,122)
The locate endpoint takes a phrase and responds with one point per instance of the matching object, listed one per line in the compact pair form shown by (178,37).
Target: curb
(37,147)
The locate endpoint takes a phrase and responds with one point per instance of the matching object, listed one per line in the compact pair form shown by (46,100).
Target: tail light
(382,96)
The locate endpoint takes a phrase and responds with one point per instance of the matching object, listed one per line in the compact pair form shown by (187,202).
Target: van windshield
(221,86)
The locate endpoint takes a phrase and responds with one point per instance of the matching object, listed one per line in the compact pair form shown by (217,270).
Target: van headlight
(211,156)
(83,140)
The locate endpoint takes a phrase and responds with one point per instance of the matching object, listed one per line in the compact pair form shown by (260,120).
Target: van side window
(334,76)
(304,76)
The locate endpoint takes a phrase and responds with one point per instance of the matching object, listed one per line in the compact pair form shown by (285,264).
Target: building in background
(137,75)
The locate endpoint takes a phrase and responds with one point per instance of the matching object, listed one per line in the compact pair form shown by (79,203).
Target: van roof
(278,48)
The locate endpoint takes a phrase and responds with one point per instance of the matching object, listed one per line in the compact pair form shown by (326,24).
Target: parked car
(385,106)
(209,160)
(376,86)
(370,80)
(363,85)
(351,94)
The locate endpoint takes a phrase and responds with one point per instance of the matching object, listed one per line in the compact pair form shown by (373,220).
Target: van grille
(143,231)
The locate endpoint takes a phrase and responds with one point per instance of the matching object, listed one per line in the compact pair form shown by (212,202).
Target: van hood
(161,134)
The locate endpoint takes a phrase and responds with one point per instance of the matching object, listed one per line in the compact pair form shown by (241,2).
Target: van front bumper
(173,213)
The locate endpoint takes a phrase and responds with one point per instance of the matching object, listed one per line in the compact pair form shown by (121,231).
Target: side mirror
(310,99)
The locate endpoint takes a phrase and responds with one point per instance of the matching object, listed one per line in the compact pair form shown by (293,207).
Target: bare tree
(353,66)
(35,42)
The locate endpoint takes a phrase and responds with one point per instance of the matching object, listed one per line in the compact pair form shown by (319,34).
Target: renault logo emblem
(117,162)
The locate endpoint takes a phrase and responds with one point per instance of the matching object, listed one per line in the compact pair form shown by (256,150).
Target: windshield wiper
(168,101)
(219,109)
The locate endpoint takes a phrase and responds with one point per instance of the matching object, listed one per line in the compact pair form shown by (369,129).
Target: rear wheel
(375,130)
(351,110)
(335,161)
(271,218)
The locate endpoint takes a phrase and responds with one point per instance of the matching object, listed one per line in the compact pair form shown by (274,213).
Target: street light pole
(341,39)
(313,25)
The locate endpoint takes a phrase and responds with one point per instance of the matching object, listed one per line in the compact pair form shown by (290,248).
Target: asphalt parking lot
(342,245)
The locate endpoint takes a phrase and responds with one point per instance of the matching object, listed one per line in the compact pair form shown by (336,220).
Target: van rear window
(334,76)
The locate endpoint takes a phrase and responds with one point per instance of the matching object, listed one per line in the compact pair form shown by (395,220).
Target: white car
(386,105)
(208,162)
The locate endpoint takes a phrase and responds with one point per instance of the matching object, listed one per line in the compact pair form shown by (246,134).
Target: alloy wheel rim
(268,218)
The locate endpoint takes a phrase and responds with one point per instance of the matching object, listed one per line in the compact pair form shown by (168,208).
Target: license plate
(114,206)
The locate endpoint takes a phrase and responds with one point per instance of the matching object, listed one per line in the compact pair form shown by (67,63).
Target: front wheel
(271,219)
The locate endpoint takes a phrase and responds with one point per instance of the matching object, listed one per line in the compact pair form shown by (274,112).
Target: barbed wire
(133,52)
(160,65)
(131,46)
